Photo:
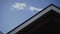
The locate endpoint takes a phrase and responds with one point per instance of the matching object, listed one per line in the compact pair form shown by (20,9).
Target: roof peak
(53,5)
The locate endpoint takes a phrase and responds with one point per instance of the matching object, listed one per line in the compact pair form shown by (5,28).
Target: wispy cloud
(19,6)
(34,8)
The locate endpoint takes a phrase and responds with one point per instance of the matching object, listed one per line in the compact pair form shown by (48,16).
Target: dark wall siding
(46,24)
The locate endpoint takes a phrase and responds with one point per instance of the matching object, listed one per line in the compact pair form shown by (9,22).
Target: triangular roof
(33,18)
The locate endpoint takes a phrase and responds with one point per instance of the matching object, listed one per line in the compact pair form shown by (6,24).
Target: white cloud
(34,8)
(19,6)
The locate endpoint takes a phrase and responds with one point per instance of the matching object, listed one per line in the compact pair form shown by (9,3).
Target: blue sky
(15,12)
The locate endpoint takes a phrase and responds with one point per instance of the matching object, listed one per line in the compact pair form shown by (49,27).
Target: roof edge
(33,16)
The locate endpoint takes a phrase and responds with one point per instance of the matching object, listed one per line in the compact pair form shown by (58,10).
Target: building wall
(46,24)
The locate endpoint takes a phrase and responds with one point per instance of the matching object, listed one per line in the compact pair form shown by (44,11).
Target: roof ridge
(33,16)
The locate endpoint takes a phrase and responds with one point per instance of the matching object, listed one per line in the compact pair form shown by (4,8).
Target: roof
(33,18)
